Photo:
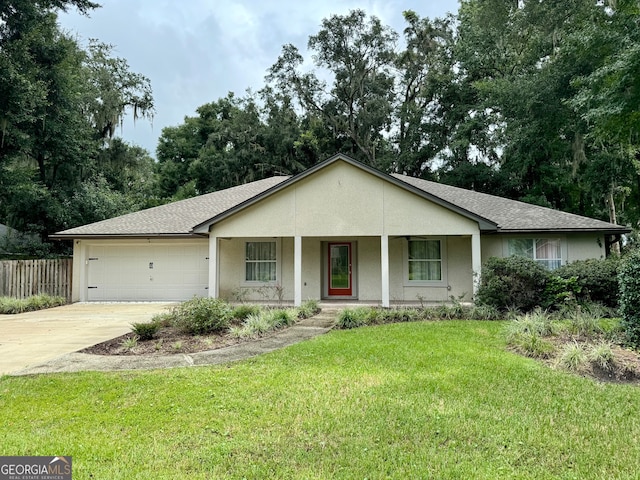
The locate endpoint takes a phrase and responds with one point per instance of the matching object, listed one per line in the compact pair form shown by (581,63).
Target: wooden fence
(24,278)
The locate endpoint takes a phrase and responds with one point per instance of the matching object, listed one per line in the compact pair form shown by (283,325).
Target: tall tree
(358,52)
(53,95)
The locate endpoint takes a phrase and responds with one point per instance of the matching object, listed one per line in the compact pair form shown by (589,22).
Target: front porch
(345,271)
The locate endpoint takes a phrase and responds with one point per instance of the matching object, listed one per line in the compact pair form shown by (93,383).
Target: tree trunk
(615,247)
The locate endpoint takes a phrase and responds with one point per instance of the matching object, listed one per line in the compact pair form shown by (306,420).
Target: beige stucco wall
(343,200)
(458,279)
(575,246)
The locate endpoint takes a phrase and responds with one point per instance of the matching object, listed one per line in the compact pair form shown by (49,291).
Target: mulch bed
(167,341)
(625,366)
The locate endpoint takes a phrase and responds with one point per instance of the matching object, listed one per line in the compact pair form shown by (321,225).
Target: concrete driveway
(33,338)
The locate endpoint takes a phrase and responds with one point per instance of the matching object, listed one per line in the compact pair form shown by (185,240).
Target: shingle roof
(511,215)
(177,218)
(180,218)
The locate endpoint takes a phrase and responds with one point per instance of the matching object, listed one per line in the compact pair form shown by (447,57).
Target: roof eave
(605,231)
(107,236)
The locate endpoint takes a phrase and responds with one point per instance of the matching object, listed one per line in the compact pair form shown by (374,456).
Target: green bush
(164,319)
(573,357)
(202,315)
(145,331)
(309,308)
(9,305)
(243,311)
(513,282)
(629,279)
(354,317)
(281,317)
(598,279)
(601,355)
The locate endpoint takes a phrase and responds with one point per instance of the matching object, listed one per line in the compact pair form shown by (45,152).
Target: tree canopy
(535,101)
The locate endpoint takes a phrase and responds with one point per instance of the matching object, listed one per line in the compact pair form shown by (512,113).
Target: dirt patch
(167,341)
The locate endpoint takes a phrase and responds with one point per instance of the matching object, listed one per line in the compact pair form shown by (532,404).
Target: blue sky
(196,51)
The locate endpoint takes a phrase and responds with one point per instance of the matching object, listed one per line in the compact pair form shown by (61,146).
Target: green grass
(439,400)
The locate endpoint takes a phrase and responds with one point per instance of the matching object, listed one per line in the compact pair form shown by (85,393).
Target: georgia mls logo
(35,468)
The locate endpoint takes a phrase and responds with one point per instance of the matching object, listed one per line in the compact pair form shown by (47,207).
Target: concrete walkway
(31,338)
(75,362)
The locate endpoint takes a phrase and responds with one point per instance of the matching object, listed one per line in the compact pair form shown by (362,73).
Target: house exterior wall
(575,246)
(367,270)
(339,201)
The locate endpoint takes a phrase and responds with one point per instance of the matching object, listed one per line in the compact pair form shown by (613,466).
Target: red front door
(340,278)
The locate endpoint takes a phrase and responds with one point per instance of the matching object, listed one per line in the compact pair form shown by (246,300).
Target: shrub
(129,343)
(512,282)
(164,319)
(601,355)
(145,331)
(10,305)
(353,317)
(484,312)
(281,318)
(537,323)
(202,315)
(561,292)
(629,279)
(584,323)
(243,311)
(597,279)
(257,324)
(309,309)
(533,345)
(573,357)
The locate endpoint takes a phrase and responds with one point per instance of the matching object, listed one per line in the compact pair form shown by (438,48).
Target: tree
(359,54)
(114,90)
(57,104)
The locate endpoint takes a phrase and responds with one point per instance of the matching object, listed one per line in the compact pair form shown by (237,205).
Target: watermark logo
(35,468)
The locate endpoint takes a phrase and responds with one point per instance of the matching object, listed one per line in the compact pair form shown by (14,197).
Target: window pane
(425,270)
(417,249)
(261,251)
(522,247)
(424,250)
(260,264)
(425,260)
(547,249)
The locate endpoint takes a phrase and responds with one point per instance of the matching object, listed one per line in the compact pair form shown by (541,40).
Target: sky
(196,51)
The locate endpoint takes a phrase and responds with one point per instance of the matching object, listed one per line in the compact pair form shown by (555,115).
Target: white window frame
(443,263)
(253,283)
(534,240)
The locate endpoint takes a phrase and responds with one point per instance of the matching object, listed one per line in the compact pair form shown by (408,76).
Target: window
(425,260)
(260,262)
(545,251)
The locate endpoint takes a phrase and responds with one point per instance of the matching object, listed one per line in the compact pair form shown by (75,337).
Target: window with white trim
(546,251)
(260,262)
(424,260)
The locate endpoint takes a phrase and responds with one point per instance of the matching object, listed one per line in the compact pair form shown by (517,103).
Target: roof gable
(485,224)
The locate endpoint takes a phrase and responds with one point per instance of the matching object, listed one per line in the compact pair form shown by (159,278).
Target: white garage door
(147,272)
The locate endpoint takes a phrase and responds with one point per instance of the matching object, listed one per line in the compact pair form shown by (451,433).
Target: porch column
(297,271)
(213,266)
(384,263)
(476,261)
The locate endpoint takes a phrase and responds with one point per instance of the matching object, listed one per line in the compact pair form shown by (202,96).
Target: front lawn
(415,400)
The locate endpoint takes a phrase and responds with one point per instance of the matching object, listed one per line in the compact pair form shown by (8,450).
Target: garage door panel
(147,272)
